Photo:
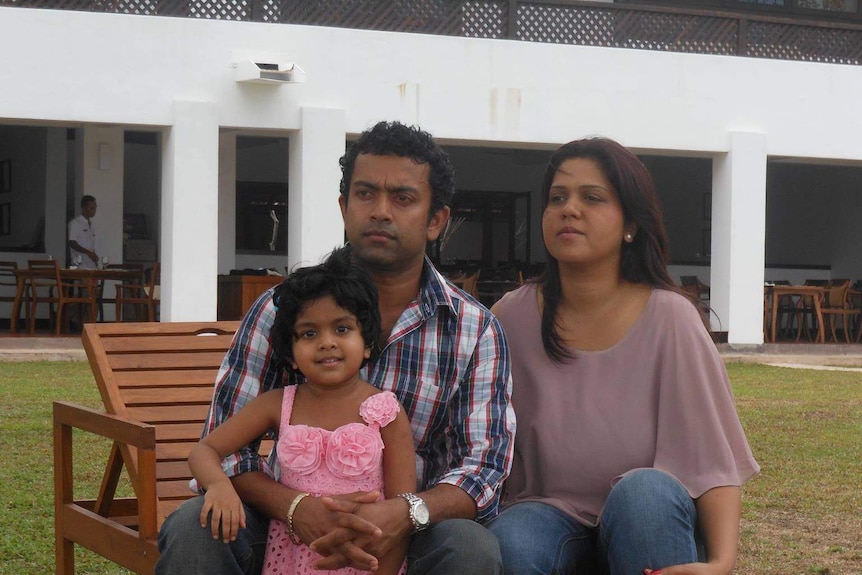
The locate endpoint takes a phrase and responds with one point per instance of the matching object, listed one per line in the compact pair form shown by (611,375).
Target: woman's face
(583,221)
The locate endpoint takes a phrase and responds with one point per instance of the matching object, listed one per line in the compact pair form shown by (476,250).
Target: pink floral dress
(324,462)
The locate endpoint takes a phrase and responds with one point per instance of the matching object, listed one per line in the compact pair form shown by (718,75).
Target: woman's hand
(228,514)
(690,569)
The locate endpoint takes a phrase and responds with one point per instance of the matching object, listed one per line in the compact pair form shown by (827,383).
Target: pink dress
(324,462)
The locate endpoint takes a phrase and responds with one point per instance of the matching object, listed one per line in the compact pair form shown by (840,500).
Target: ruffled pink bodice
(324,462)
(347,459)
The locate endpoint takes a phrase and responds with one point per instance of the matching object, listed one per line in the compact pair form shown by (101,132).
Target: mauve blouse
(659,398)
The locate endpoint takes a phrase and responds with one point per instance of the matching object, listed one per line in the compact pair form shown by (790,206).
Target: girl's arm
(399,476)
(260,415)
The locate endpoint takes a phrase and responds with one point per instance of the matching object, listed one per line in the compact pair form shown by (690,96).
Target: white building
(173,94)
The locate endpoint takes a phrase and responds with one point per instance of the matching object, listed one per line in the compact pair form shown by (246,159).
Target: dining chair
(694,282)
(47,286)
(9,287)
(470,284)
(140,296)
(128,266)
(836,305)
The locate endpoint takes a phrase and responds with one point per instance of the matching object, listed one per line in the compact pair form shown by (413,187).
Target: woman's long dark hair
(644,260)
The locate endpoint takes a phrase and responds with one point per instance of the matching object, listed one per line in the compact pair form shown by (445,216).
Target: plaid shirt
(446,360)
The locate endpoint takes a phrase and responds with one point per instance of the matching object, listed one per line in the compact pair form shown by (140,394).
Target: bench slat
(170,414)
(166,343)
(166,378)
(175,360)
(167,396)
(178,431)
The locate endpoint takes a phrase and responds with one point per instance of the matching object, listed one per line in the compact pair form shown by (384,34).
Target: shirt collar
(433,290)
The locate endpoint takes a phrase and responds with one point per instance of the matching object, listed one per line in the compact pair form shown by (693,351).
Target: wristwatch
(419,515)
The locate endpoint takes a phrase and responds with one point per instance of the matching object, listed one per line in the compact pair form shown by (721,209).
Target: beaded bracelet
(293,505)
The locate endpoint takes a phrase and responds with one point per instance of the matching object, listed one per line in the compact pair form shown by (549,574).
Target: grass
(802,515)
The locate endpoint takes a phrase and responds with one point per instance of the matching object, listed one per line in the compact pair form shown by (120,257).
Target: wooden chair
(694,284)
(9,287)
(143,295)
(156,381)
(837,305)
(470,284)
(103,300)
(47,286)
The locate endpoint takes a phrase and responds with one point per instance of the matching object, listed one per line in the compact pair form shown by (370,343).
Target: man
(443,355)
(82,236)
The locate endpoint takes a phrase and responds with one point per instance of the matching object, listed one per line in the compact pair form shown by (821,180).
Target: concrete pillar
(314,220)
(739,238)
(190,214)
(226,202)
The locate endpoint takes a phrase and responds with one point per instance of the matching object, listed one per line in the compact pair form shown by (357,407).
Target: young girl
(336,433)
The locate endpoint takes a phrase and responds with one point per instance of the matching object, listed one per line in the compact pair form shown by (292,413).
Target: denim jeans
(649,521)
(187,548)
(452,546)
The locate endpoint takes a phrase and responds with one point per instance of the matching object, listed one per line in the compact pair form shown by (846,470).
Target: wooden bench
(156,381)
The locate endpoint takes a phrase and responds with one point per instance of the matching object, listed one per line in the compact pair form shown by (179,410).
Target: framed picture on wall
(5,219)
(707,206)
(5,176)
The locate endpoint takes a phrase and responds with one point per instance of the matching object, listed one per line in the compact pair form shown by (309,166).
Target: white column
(102,170)
(739,238)
(314,220)
(190,214)
(226,202)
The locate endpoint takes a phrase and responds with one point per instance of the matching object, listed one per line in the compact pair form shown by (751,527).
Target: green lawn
(801,515)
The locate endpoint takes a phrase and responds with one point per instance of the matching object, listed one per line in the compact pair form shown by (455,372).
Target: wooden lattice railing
(559,22)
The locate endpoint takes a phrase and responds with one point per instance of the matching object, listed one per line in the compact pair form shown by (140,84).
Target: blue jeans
(453,546)
(649,521)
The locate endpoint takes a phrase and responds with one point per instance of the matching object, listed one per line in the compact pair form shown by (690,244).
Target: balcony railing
(559,22)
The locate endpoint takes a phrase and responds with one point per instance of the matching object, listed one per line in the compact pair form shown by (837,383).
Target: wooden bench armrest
(121,430)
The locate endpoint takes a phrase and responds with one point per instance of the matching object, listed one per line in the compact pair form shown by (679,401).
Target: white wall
(130,71)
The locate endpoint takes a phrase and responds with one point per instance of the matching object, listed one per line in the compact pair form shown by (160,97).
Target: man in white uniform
(82,236)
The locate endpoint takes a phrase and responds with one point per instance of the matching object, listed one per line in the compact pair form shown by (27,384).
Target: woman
(629,454)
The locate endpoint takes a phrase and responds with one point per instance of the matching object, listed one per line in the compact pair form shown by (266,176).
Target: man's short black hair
(348,284)
(397,139)
(86,200)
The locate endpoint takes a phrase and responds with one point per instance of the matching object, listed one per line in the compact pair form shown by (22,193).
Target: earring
(629,237)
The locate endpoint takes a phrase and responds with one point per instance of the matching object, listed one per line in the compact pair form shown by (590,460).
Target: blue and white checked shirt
(446,360)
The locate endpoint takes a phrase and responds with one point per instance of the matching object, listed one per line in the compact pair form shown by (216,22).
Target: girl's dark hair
(348,284)
(644,260)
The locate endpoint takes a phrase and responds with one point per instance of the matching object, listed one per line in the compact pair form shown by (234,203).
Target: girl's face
(583,222)
(328,347)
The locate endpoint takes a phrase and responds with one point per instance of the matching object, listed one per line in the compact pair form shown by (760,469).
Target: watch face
(422,515)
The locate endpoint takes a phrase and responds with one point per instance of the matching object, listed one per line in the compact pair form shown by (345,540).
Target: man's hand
(346,546)
(313,520)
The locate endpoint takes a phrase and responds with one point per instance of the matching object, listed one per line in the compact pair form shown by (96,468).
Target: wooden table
(87,276)
(773,293)
(236,293)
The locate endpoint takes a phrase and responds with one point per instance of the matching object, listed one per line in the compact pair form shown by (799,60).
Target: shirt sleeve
(247,370)
(482,423)
(699,439)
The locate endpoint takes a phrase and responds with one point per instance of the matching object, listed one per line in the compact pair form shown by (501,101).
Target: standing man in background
(82,236)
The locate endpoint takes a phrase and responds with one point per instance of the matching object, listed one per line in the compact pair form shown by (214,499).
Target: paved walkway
(812,356)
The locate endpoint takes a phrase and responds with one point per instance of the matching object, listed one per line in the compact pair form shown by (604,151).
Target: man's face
(386,214)
(89,210)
